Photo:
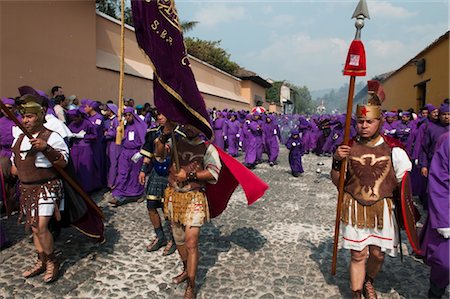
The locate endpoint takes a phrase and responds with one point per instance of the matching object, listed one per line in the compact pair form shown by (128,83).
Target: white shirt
(55,141)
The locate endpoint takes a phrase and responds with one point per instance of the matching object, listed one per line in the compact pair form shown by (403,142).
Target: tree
(273,93)
(188,25)
(212,53)
(301,98)
(109,7)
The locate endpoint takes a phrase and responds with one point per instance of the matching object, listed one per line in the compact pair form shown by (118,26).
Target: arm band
(164,138)
(52,154)
(336,165)
(144,167)
(192,176)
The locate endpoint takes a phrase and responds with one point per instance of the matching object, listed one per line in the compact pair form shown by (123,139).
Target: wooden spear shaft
(60,170)
(120,128)
(348,118)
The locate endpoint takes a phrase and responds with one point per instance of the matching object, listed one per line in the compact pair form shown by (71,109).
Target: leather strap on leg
(39,266)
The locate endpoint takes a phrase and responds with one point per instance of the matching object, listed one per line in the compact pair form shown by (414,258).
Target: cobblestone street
(280,247)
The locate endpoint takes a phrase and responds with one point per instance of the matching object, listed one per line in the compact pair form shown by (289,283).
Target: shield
(409,213)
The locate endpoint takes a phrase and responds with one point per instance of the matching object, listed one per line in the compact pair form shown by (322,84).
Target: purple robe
(250,131)
(218,131)
(419,182)
(389,129)
(232,130)
(271,133)
(6,136)
(296,150)
(402,132)
(434,246)
(82,155)
(127,180)
(98,147)
(112,150)
(431,136)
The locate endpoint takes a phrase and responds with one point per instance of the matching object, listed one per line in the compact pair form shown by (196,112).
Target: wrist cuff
(52,154)
(336,165)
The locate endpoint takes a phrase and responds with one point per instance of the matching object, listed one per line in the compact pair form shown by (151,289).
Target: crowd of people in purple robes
(90,129)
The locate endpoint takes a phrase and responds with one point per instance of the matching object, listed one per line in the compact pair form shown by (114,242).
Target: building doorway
(421,94)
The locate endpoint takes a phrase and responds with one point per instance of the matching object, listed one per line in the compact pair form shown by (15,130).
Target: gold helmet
(31,104)
(372,109)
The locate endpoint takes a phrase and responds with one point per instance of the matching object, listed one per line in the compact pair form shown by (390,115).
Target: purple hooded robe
(127,180)
(296,150)
(232,131)
(271,133)
(82,153)
(434,246)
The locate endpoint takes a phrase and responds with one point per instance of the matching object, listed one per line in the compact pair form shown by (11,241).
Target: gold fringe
(364,216)
(187,208)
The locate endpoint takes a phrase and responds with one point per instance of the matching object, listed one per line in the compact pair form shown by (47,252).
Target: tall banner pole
(120,127)
(355,66)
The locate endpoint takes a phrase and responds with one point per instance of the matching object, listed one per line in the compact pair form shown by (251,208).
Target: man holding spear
(367,171)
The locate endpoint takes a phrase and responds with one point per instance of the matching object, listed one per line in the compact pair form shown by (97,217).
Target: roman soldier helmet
(31,104)
(373,107)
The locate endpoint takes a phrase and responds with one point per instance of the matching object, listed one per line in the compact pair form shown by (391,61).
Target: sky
(306,42)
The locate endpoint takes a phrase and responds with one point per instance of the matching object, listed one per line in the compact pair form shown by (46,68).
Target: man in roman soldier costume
(41,189)
(185,202)
(158,169)
(376,164)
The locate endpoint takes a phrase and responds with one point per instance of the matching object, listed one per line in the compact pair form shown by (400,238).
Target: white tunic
(386,238)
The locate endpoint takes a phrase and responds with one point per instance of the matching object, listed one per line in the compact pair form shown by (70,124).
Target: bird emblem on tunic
(370,170)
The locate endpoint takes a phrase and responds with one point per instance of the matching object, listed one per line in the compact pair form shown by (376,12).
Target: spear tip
(361,9)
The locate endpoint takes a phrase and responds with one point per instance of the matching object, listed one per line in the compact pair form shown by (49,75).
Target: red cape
(232,174)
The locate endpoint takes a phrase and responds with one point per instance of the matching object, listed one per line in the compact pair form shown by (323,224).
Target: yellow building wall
(250,89)
(400,89)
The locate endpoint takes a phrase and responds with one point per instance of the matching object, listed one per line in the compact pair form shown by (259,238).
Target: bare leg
(192,234)
(375,261)
(44,236)
(357,269)
(179,236)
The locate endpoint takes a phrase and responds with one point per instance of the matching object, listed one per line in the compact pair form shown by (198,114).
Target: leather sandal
(170,248)
(38,268)
(368,289)
(183,276)
(189,293)
(356,294)
(51,273)
(156,244)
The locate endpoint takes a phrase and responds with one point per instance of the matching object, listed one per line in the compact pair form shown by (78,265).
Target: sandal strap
(369,290)
(51,272)
(39,266)
(189,293)
(180,277)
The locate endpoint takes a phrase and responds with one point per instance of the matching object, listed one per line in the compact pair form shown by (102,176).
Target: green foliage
(128,16)
(112,8)
(188,25)
(212,53)
(109,7)
(273,93)
(301,98)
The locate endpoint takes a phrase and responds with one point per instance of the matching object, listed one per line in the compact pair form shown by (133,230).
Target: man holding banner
(195,164)
(185,201)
